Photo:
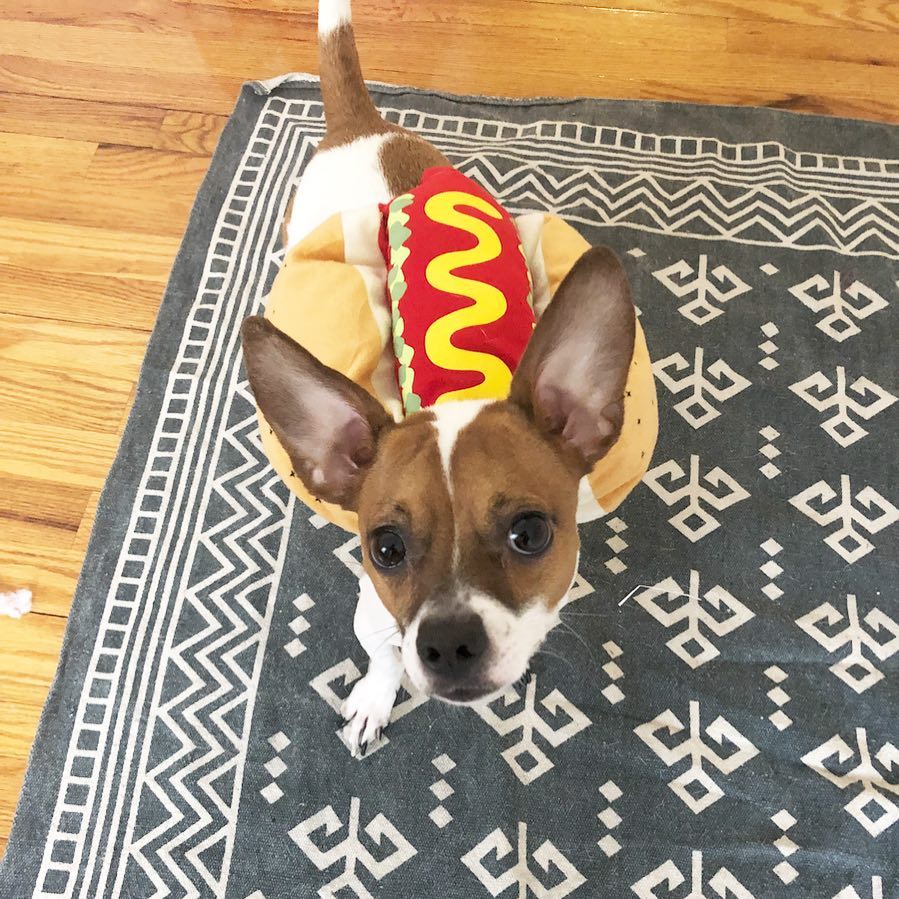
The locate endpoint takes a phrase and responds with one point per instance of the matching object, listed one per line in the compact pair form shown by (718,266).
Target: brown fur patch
(404,158)
(491,488)
(406,489)
(351,114)
(349,111)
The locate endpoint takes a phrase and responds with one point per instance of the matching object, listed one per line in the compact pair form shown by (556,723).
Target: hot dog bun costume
(432,298)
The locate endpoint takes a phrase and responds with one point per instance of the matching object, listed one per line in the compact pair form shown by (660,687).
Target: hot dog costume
(432,298)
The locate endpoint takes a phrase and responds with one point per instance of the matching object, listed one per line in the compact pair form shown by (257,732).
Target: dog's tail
(349,110)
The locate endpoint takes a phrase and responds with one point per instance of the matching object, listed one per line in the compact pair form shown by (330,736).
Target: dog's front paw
(367,711)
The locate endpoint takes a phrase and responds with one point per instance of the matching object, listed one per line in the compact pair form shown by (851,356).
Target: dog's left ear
(328,425)
(572,376)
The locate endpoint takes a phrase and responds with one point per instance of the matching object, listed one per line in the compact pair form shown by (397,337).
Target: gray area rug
(738,742)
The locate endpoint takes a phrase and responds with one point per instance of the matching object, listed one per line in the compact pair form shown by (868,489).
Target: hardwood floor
(108,116)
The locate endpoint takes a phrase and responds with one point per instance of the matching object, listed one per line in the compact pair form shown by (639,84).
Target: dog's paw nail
(367,712)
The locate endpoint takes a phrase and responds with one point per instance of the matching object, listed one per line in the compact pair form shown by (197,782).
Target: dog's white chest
(373,625)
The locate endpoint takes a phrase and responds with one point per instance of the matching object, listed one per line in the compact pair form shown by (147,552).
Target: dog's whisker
(528,674)
(578,637)
(380,630)
(385,640)
(555,655)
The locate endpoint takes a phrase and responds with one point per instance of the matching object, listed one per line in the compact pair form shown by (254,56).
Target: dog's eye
(530,534)
(386,548)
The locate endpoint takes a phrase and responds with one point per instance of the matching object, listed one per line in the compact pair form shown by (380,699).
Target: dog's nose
(451,647)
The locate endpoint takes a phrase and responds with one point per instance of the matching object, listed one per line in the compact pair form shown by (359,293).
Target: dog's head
(467,510)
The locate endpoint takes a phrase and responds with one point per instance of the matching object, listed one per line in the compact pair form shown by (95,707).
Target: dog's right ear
(328,425)
(572,376)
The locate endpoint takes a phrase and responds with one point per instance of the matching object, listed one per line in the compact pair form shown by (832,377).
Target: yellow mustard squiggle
(489,302)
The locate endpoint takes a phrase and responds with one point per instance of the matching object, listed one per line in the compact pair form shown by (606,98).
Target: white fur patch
(368,707)
(338,180)
(373,625)
(332,14)
(409,655)
(449,420)
(514,638)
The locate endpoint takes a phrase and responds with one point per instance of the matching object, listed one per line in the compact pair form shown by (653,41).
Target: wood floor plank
(144,191)
(79,377)
(26,500)
(98,13)
(42,558)
(79,298)
(12,773)
(872,15)
(102,352)
(463,46)
(26,533)
(57,455)
(190,132)
(51,577)
(27,666)
(671,70)
(253,21)
(83,120)
(622,71)
(616,64)
(789,41)
(60,157)
(86,525)
(875,15)
(673,32)
(122,84)
(33,394)
(835,88)
(181,53)
(22,702)
(629,75)
(76,43)
(61,247)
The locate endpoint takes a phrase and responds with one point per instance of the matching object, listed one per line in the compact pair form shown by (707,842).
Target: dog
(467,509)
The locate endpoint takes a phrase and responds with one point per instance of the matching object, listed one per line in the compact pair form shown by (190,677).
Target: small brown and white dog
(471,552)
